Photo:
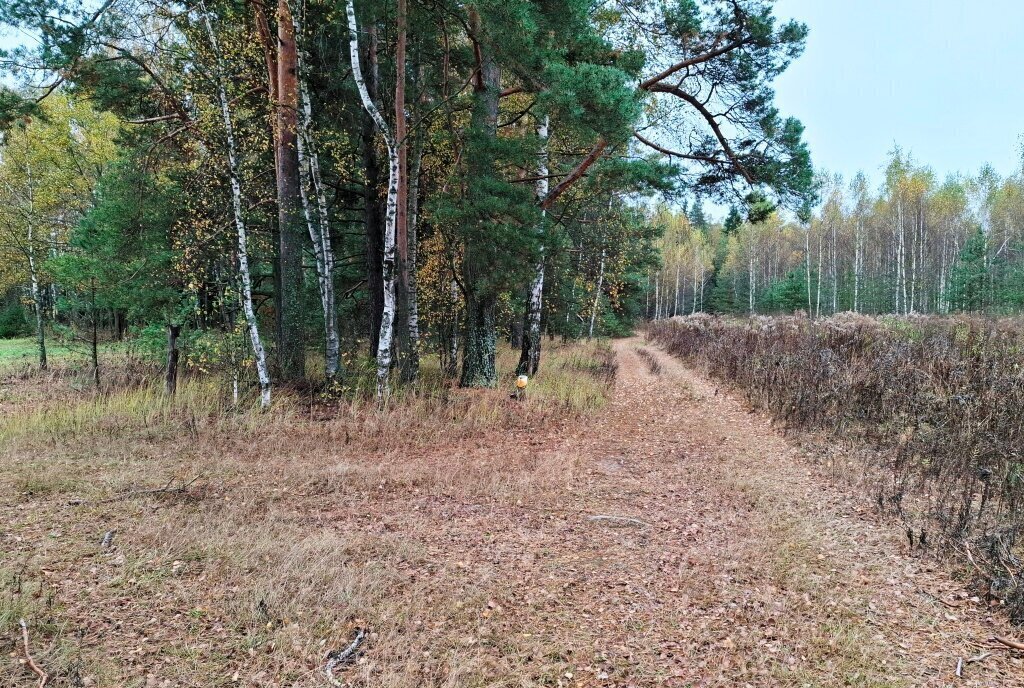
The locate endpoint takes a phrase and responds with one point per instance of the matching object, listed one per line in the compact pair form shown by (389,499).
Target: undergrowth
(937,400)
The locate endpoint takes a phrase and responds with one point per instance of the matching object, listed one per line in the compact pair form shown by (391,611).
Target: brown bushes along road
(936,405)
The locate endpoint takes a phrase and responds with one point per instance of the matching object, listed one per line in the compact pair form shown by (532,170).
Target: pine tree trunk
(291,354)
(401,218)
(480,349)
(385,340)
(529,358)
(478,359)
(262,370)
(412,363)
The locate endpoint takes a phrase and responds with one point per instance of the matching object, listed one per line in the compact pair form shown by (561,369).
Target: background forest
(915,245)
(245,184)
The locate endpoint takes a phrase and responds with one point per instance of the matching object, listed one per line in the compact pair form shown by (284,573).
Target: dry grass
(932,404)
(301,524)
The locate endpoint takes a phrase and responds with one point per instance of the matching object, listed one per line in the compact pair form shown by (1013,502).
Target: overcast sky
(941,78)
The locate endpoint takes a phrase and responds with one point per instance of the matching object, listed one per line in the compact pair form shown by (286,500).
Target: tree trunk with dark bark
(291,354)
(171,378)
(373,211)
(478,359)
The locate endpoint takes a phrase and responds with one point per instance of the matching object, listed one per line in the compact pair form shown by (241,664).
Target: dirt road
(671,538)
(749,568)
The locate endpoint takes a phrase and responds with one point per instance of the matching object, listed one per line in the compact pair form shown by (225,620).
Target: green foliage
(787,295)
(13,322)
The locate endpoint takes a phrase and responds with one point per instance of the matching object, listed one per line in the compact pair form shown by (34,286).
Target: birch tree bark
(529,358)
(597,296)
(262,372)
(317,221)
(387,328)
(37,302)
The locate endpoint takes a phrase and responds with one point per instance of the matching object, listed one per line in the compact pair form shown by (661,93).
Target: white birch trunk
(387,324)
(536,301)
(675,302)
(597,296)
(817,298)
(695,268)
(753,281)
(317,221)
(36,302)
(857,249)
(807,263)
(262,371)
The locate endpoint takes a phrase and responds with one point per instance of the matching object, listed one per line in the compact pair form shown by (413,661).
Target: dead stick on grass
(979,658)
(620,519)
(166,489)
(340,657)
(43,676)
(1009,643)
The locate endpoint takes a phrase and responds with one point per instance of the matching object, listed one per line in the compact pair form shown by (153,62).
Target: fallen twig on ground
(337,658)
(979,658)
(166,489)
(1009,643)
(43,676)
(623,520)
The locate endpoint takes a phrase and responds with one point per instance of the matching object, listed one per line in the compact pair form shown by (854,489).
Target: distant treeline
(917,245)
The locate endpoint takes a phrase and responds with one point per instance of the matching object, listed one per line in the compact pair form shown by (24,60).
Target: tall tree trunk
(817,297)
(385,342)
(262,371)
(597,296)
(529,357)
(857,250)
(37,303)
(696,267)
(317,221)
(173,353)
(412,362)
(807,264)
(402,216)
(373,215)
(478,358)
(291,354)
(675,293)
(753,283)
(53,285)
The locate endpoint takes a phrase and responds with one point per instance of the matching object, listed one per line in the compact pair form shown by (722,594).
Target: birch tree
(262,371)
(388,320)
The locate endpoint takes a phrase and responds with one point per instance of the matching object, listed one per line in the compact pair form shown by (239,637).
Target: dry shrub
(938,399)
(652,362)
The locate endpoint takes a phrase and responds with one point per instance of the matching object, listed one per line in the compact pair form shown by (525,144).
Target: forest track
(670,538)
(755,569)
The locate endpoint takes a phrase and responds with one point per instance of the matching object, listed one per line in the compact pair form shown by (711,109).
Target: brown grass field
(633,529)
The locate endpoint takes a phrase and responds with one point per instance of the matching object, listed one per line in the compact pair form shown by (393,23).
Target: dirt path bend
(743,566)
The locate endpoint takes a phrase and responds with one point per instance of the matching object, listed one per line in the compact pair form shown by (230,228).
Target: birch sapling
(388,319)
